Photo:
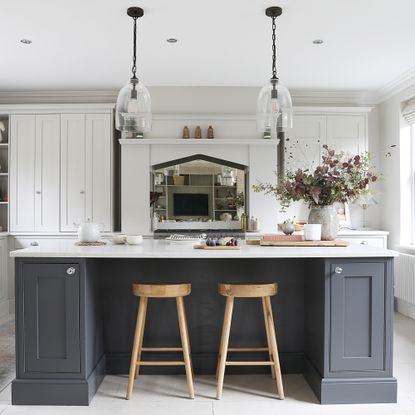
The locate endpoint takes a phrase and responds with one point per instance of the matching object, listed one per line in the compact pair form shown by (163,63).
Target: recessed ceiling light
(26,41)
(318,41)
(171,40)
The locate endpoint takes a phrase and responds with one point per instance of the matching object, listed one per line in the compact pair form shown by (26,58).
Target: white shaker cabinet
(347,133)
(86,178)
(304,142)
(4,304)
(34,173)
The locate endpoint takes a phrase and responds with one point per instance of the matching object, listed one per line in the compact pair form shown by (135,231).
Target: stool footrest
(162,349)
(160,363)
(249,363)
(248,349)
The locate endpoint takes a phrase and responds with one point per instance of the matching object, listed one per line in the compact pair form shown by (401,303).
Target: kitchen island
(75,315)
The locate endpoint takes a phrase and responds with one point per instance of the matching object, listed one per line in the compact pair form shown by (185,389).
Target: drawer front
(21,243)
(376,241)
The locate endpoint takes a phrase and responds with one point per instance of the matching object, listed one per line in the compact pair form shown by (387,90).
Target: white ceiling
(86,44)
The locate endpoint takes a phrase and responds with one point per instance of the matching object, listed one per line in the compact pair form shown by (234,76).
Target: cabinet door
(357,334)
(51,318)
(73,179)
(347,133)
(22,173)
(304,142)
(99,169)
(47,173)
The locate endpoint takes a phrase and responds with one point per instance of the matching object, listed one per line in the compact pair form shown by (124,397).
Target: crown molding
(397,85)
(333,97)
(58,97)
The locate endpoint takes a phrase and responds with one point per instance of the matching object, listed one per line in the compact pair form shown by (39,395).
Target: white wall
(394,217)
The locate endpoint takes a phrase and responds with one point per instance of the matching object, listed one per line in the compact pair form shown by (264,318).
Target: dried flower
(336,179)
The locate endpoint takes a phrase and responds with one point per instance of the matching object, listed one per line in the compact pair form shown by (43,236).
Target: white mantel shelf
(199,141)
(162,249)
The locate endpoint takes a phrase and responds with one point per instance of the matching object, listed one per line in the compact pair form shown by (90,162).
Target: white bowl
(119,239)
(134,239)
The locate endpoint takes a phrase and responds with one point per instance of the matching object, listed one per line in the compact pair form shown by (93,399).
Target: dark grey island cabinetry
(75,316)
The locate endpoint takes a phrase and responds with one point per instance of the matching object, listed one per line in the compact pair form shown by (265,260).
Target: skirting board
(354,390)
(55,392)
(403,307)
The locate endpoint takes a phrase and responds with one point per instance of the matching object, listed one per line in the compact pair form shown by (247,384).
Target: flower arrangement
(337,179)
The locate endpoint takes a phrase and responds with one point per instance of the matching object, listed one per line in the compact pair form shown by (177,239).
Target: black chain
(274,49)
(134,68)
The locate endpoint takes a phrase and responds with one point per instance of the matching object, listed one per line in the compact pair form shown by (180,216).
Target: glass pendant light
(133,110)
(274,105)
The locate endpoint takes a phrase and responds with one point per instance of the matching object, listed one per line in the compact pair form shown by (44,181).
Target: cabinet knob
(338,270)
(363,243)
(82,192)
(70,271)
(34,243)
(38,192)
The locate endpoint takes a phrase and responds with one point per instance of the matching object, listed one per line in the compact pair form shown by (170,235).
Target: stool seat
(162,290)
(248,290)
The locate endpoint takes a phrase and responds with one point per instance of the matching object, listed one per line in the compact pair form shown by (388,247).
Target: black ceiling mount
(135,12)
(273,11)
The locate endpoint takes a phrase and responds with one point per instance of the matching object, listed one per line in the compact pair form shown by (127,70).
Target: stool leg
(264,307)
(141,337)
(274,347)
(136,345)
(223,352)
(188,345)
(185,344)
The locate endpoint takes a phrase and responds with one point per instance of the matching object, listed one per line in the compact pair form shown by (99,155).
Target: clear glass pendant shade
(274,111)
(133,110)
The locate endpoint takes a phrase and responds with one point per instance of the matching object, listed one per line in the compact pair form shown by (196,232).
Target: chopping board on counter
(217,248)
(337,243)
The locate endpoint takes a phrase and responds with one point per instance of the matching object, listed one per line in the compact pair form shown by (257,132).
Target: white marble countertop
(162,249)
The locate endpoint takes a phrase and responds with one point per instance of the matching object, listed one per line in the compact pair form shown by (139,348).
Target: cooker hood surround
(139,156)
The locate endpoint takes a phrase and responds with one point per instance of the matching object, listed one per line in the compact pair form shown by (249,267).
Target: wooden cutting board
(337,243)
(217,248)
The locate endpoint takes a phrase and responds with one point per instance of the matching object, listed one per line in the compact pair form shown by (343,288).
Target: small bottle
(255,225)
(186,133)
(155,221)
(243,221)
(198,132)
(210,133)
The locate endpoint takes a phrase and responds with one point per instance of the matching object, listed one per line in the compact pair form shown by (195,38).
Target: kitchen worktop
(162,249)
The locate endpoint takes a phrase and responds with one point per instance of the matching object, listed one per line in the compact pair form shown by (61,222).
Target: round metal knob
(363,243)
(34,243)
(338,270)
(70,271)
(82,192)
(38,192)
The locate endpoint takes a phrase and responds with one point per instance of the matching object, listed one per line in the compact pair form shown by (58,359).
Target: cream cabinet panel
(47,172)
(22,172)
(3,276)
(86,179)
(347,133)
(303,147)
(73,178)
(99,169)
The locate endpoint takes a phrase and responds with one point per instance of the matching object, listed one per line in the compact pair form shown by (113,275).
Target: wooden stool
(146,291)
(264,291)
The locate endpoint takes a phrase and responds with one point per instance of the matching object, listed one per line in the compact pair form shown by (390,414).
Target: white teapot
(89,231)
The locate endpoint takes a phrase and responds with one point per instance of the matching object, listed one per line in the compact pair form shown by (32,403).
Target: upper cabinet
(86,180)
(345,132)
(34,173)
(61,170)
